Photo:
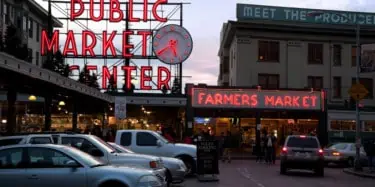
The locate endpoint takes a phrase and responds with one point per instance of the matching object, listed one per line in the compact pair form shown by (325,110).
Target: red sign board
(260,99)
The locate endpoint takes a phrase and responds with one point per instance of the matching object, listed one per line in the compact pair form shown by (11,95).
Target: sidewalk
(244,156)
(366,173)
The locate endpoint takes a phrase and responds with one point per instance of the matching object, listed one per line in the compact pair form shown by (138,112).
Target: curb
(364,175)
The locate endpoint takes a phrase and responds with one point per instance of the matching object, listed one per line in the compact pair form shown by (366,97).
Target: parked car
(302,152)
(26,139)
(343,153)
(176,169)
(151,143)
(60,166)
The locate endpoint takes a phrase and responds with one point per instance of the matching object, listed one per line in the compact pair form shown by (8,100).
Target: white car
(60,166)
(176,167)
(151,143)
(26,139)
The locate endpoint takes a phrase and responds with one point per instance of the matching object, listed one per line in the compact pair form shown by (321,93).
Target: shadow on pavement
(302,173)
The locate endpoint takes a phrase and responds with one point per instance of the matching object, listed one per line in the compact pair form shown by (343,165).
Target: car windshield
(120,149)
(302,142)
(160,137)
(339,146)
(84,157)
(11,141)
(105,144)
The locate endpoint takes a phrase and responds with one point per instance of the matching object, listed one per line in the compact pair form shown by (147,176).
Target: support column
(11,116)
(47,112)
(74,116)
(257,131)
(189,114)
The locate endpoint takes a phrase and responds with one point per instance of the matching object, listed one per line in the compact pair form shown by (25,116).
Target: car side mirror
(158,143)
(72,164)
(96,153)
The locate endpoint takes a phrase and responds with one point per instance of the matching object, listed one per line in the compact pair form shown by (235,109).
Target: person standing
(271,149)
(261,153)
(369,147)
(227,147)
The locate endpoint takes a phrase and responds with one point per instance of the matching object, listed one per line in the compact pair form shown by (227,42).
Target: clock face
(172,44)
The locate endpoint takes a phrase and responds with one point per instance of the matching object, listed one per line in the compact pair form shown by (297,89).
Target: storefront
(247,113)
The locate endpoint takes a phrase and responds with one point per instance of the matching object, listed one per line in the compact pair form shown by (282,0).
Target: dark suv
(302,152)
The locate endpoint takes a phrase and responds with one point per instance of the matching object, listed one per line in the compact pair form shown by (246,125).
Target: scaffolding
(173,11)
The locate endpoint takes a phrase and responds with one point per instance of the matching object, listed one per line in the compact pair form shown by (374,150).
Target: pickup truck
(26,139)
(151,143)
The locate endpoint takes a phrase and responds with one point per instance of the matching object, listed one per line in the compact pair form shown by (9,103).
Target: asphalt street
(251,174)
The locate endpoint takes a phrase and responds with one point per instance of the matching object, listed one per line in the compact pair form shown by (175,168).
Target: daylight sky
(204,19)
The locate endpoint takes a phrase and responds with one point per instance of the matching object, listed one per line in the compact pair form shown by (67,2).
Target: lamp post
(357,163)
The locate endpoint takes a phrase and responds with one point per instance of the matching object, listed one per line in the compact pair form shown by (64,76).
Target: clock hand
(163,50)
(173,47)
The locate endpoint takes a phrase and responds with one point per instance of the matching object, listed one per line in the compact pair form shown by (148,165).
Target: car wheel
(282,169)
(189,163)
(350,162)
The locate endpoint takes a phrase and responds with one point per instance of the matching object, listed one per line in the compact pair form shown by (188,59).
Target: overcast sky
(204,18)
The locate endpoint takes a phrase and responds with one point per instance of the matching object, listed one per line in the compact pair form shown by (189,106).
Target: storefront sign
(120,108)
(248,11)
(207,157)
(264,99)
(172,44)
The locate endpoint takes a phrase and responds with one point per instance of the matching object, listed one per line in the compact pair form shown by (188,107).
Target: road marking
(245,173)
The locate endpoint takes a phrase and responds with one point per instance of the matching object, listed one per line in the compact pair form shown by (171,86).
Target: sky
(204,19)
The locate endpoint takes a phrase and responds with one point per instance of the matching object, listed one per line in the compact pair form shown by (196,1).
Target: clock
(172,44)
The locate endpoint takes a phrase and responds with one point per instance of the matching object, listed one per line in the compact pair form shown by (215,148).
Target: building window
(337,87)
(37,31)
(315,53)
(31,27)
(342,125)
(315,82)
(30,55)
(368,84)
(269,51)
(337,55)
(269,81)
(25,22)
(37,58)
(354,56)
(370,126)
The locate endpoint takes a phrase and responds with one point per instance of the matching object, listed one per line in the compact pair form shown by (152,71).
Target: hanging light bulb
(61,103)
(32,98)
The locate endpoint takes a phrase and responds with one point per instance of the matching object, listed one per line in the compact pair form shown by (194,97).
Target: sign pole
(357,163)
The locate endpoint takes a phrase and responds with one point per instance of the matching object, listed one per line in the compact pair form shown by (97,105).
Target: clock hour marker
(156,44)
(172,60)
(172,28)
(158,36)
(189,44)
(186,36)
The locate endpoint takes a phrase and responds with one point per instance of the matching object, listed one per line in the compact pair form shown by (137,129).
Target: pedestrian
(261,153)
(221,144)
(271,149)
(227,147)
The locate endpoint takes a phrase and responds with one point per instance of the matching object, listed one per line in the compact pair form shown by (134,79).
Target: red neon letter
(131,11)
(200,98)
(128,72)
(108,43)
(91,67)
(70,39)
(145,77)
(73,67)
(85,47)
(52,45)
(145,10)
(167,78)
(155,12)
(144,34)
(101,11)
(106,75)
(125,44)
(73,13)
(114,7)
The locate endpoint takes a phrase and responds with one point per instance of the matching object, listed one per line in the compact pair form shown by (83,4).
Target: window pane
(273,82)
(337,55)
(126,138)
(41,140)
(302,142)
(354,56)
(337,87)
(339,146)
(146,139)
(79,143)
(262,80)
(310,82)
(370,126)
(11,158)
(48,158)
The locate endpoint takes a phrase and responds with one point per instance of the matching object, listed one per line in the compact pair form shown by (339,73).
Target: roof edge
(56,23)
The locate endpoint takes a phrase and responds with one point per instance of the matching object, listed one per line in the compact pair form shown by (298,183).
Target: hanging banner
(120,108)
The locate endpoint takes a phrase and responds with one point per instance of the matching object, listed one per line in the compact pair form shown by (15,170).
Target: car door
(49,167)
(13,167)
(146,143)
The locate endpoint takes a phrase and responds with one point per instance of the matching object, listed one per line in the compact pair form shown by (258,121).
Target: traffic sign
(358,92)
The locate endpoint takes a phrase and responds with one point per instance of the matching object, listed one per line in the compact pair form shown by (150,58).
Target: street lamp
(61,103)
(357,164)
(32,98)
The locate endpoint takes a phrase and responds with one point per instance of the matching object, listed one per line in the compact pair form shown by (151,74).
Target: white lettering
(272,12)
(265,13)
(295,15)
(303,15)
(326,18)
(287,11)
(257,13)
(361,19)
(335,18)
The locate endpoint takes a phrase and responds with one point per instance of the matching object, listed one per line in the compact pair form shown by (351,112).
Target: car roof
(24,136)
(33,145)
(134,130)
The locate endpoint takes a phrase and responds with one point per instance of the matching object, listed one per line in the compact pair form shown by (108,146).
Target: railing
(13,64)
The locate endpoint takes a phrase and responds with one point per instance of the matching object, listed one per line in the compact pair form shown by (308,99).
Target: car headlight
(156,164)
(149,181)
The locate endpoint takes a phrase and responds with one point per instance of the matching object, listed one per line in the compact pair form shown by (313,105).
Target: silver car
(343,153)
(61,166)
(176,168)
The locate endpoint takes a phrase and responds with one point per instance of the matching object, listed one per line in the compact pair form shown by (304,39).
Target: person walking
(271,149)
(261,150)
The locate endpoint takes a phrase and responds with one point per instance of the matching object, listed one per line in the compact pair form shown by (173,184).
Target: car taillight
(302,136)
(321,151)
(285,149)
(336,154)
